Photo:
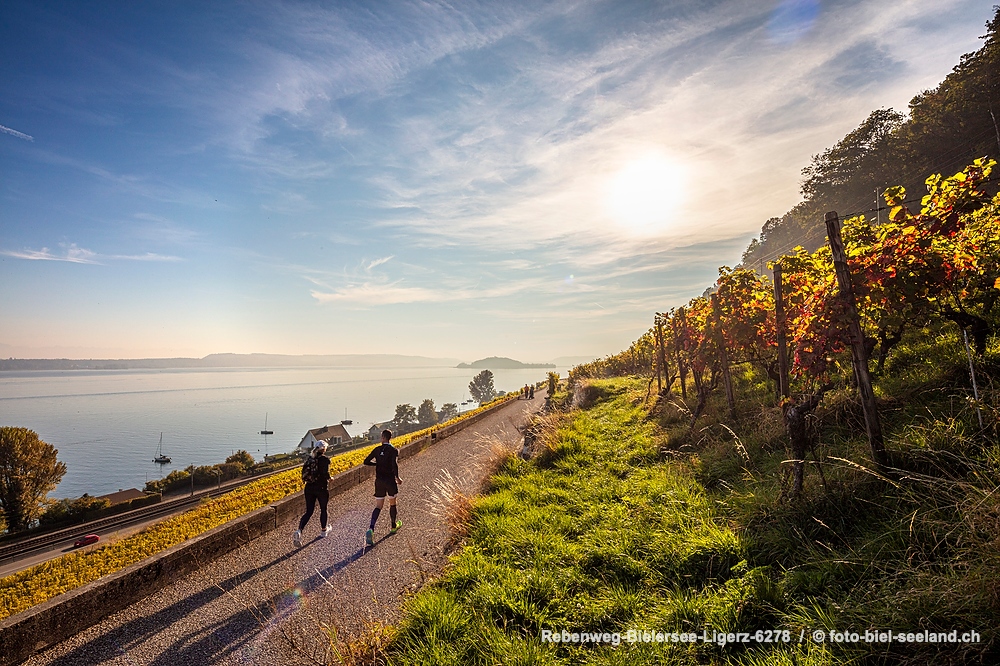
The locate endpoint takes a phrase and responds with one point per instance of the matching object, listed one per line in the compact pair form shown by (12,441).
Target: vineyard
(916,273)
(49,579)
(877,512)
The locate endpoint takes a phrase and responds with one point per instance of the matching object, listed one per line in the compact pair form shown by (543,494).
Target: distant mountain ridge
(230,361)
(502,363)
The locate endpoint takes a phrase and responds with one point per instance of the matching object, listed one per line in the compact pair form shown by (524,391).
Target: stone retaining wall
(53,621)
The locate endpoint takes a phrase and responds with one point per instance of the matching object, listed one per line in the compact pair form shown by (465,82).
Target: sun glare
(645,195)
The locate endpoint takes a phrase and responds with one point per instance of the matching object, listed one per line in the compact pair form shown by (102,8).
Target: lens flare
(644,197)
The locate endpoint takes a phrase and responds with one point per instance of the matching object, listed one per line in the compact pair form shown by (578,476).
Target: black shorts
(384,487)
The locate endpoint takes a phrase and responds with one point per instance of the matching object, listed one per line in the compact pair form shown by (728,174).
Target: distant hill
(230,361)
(502,363)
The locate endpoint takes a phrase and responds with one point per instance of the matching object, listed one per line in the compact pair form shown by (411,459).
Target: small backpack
(310,470)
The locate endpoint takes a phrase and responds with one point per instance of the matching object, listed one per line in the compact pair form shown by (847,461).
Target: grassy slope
(630,520)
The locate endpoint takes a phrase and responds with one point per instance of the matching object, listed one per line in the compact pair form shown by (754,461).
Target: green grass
(629,519)
(600,533)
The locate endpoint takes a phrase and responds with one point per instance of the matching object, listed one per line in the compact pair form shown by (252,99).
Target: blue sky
(443,179)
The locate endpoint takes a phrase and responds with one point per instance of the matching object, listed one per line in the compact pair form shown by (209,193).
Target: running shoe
(297,538)
(395,528)
(326,531)
(370,538)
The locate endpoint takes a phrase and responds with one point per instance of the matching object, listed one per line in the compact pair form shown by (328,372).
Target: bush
(243,459)
(72,510)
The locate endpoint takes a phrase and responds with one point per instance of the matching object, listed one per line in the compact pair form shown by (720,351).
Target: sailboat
(160,458)
(265,432)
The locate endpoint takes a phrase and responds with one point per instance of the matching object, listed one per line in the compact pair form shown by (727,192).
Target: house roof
(326,432)
(123,496)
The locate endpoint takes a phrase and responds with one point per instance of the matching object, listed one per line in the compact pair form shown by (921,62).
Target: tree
(405,418)
(553,382)
(449,410)
(243,459)
(857,165)
(29,470)
(481,387)
(426,414)
(72,509)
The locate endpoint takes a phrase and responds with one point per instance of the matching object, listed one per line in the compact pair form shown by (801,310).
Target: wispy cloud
(526,164)
(14,132)
(77,255)
(71,253)
(381,290)
(148,256)
(378,262)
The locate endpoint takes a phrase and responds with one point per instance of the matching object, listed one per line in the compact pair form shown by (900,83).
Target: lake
(106,423)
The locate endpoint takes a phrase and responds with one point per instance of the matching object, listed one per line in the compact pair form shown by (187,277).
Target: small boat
(346,420)
(160,458)
(265,431)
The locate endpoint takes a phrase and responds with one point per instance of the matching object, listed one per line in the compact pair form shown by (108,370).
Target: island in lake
(503,363)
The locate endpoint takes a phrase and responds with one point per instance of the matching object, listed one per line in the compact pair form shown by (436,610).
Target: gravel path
(272,603)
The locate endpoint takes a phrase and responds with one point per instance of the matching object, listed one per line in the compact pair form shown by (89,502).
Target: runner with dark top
(316,474)
(383,458)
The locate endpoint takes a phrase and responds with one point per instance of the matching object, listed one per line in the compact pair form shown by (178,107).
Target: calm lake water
(106,424)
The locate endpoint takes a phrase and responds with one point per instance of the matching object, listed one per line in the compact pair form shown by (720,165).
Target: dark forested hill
(945,129)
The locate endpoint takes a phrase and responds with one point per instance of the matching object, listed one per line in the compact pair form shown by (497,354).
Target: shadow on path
(225,636)
(119,640)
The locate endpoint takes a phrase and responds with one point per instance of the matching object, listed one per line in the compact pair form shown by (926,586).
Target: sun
(644,197)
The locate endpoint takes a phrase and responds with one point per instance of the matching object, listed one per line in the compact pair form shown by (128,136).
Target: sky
(443,179)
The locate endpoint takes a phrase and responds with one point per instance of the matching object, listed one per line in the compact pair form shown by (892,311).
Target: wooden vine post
(727,378)
(663,352)
(858,353)
(779,326)
(681,368)
(659,354)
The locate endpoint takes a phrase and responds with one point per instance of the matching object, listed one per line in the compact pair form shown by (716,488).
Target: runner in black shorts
(387,481)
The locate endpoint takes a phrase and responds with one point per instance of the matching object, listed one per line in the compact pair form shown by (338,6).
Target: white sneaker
(297,538)
(326,531)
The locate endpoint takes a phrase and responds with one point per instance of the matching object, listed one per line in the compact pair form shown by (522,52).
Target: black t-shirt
(383,457)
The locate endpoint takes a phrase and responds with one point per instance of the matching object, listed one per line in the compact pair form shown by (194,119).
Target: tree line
(409,418)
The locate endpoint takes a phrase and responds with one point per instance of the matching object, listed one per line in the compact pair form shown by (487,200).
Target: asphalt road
(272,603)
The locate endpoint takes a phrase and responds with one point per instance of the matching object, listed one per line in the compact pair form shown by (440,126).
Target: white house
(333,435)
(375,432)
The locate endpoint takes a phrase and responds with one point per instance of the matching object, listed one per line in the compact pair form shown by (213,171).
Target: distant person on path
(383,458)
(531,392)
(316,475)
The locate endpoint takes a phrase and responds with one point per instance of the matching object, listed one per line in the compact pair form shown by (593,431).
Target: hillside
(944,129)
